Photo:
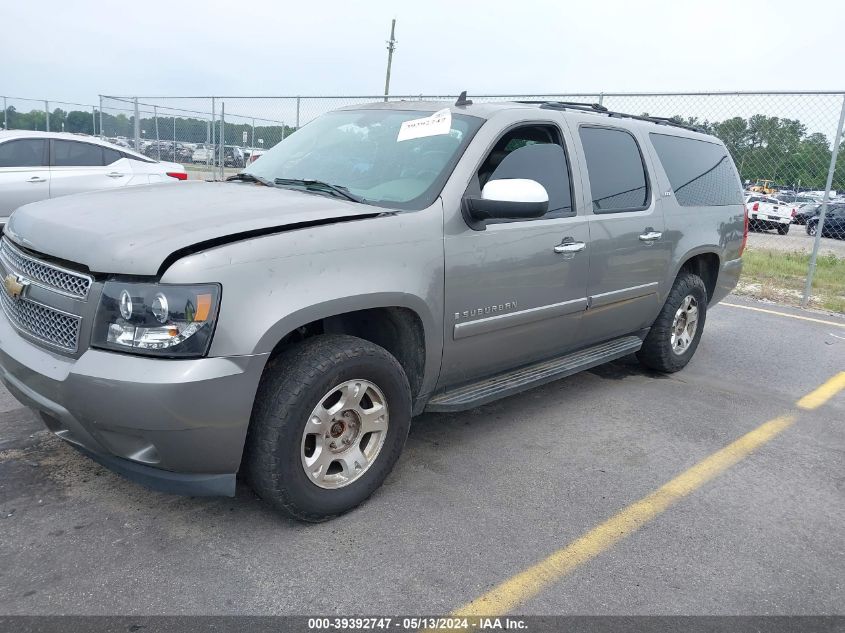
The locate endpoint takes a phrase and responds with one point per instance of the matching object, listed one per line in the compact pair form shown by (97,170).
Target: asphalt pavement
(480,496)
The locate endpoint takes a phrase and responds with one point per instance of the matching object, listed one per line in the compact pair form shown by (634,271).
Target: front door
(513,294)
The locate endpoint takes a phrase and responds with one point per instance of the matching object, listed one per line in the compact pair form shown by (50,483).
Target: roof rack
(600,109)
(660,120)
(567,105)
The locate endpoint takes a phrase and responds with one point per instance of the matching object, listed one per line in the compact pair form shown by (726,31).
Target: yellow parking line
(822,394)
(526,584)
(523,586)
(784,314)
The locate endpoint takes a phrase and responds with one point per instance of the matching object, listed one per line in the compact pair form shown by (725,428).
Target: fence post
(101,117)
(158,144)
(601,98)
(5,115)
(137,127)
(94,120)
(297,112)
(47,112)
(222,140)
(174,138)
(213,148)
(812,269)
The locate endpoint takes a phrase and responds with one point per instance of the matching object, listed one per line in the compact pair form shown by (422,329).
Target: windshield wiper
(247,177)
(318,185)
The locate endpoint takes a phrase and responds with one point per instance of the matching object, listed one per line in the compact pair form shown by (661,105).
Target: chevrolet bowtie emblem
(14,285)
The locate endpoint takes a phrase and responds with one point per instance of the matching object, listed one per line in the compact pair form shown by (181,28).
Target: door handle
(650,236)
(569,247)
(114,174)
(37,179)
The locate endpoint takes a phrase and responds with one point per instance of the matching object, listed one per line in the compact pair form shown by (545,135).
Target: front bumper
(173,425)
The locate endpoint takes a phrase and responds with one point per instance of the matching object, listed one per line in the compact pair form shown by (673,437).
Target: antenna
(391,46)
(462,99)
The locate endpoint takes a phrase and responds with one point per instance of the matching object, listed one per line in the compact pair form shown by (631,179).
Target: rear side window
(618,180)
(28,152)
(75,154)
(701,173)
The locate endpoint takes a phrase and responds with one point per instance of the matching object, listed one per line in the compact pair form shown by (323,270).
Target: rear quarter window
(701,173)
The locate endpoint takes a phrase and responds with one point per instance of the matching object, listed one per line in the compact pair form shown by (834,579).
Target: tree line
(763,147)
(187,129)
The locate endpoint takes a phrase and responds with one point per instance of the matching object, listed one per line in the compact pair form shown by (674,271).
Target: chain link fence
(783,143)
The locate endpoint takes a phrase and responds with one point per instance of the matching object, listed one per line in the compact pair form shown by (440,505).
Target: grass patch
(780,276)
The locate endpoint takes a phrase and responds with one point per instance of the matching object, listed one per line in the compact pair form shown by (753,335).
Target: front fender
(276,283)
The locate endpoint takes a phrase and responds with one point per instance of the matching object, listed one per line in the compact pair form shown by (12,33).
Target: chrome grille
(56,278)
(41,322)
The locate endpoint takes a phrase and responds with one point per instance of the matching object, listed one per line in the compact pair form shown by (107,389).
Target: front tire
(675,334)
(812,227)
(783,229)
(330,419)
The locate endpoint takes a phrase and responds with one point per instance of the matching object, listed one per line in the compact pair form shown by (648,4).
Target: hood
(134,230)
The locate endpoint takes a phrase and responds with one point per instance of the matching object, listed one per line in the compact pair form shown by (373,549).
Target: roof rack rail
(660,120)
(600,109)
(567,105)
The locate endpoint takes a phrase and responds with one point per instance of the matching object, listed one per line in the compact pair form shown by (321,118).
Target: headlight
(156,319)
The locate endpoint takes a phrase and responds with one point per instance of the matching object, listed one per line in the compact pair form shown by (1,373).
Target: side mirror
(506,199)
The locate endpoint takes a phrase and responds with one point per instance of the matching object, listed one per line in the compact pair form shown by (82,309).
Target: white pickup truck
(765,213)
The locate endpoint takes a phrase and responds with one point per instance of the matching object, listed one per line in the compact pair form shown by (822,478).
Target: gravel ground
(796,240)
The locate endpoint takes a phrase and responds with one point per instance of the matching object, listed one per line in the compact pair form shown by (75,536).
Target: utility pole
(391,46)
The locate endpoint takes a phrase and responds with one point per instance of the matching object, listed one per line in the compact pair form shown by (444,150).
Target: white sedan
(39,165)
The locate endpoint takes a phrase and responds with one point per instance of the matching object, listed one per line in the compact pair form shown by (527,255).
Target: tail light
(178,175)
(744,232)
(756,206)
(794,211)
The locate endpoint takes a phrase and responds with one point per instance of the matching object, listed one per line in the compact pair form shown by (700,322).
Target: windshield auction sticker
(437,124)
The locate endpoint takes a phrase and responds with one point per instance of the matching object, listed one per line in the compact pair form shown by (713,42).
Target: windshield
(369,153)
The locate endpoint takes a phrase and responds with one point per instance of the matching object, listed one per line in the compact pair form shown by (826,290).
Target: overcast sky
(76,50)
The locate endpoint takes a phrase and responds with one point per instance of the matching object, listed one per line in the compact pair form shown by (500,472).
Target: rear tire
(295,395)
(812,227)
(671,342)
(783,229)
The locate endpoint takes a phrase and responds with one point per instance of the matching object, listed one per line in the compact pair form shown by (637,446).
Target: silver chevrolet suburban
(382,261)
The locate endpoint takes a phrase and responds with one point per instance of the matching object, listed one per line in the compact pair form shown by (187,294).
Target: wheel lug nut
(333,445)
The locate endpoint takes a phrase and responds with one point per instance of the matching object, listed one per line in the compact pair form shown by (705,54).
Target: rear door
(24,174)
(628,253)
(77,166)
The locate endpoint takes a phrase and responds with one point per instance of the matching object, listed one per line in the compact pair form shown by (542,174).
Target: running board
(531,376)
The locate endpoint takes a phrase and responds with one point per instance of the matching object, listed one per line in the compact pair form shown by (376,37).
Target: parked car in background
(39,165)
(766,213)
(202,154)
(793,198)
(806,211)
(233,156)
(834,222)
